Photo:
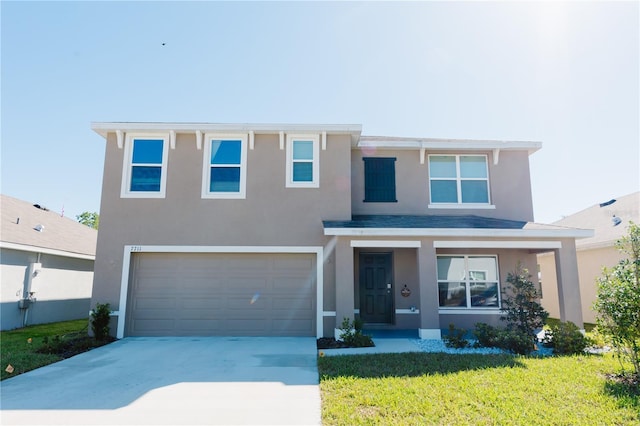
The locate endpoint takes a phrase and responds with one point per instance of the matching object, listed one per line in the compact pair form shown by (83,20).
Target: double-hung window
(459,179)
(468,282)
(225,166)
(303,161)
(145,166)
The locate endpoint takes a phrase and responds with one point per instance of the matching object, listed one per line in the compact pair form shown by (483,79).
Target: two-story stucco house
(277,229)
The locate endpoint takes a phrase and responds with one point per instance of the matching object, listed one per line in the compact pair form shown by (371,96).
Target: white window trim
(127,166)
(458,179)
(315,183)
(467,281)
(206,166)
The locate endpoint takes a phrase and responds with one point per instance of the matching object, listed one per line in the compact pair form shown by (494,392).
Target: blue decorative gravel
(428,345)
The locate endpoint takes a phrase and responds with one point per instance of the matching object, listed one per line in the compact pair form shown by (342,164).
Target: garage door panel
(201,326)
(293,304)
(193,294)
(297,325)
(293,284)
(146,303)
(240,283)
(201,303)
(153,325)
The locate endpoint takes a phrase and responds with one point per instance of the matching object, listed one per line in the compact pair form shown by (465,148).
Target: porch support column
(429,317)
(345,299)
(568,283)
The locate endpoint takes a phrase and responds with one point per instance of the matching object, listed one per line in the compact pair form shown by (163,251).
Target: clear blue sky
(565,74)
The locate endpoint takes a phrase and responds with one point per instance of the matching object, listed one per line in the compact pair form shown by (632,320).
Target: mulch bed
(330,343)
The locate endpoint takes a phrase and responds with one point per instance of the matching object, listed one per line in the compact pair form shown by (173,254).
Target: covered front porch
(418,274)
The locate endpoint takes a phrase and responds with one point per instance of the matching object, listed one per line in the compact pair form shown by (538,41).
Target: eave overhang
(430,144)
(104,128)
(458,232)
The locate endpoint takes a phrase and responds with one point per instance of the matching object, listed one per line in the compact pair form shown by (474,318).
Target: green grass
(425,388)
(17,351)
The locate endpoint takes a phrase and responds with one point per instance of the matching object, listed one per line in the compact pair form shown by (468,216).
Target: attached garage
(221,294)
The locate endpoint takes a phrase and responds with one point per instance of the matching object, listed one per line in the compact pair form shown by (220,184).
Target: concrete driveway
(156,381)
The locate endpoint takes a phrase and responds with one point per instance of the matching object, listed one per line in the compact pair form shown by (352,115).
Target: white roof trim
(446,144)
(386,243)
(460,232)
(519,244)
(43,250)
(103,128)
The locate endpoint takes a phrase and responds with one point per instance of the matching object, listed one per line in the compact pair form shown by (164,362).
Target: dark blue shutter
(379,180)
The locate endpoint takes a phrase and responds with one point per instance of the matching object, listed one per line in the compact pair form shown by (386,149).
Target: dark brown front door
(376,288)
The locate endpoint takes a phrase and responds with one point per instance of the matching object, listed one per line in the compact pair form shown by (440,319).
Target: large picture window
(225,159)
(468,282)
(145,163)
(459,179)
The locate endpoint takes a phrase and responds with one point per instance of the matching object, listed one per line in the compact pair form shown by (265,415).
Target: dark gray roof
(21,218)
(435,221)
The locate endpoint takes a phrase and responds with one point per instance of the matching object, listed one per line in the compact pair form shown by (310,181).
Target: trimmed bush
(455,338)
(100,318)
(565,338)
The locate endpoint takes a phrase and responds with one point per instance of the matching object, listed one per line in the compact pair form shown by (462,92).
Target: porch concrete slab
(210,380)
(382,346)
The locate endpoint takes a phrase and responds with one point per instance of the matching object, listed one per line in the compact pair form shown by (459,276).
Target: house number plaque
(405,292)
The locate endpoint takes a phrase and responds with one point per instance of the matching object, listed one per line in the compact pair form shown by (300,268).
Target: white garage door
(205,294)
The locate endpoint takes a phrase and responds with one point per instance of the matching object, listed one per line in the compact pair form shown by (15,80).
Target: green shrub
(455,338)
(352,334)
(618,300)
(486,335)
(51,345)
(565,338)
(516,341)
(100,318)
(512,340)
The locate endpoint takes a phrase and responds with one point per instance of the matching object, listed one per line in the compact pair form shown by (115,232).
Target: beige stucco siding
(271,214)
(590,264)
(510,185)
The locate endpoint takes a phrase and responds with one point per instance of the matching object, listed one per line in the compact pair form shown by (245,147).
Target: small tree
(91,219)
(522,313)
(521,308)
(618,300)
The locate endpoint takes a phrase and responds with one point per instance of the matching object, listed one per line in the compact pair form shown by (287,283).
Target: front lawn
(435,388)
(31,347)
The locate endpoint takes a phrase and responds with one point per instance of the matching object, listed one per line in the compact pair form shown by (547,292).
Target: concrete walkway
(161,381)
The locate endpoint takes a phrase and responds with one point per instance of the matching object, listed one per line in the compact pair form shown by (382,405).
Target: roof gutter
(43,250)
(460,232)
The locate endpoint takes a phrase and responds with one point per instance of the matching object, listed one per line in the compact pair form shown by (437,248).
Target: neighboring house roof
(600,218)
(440,225)
(59,235)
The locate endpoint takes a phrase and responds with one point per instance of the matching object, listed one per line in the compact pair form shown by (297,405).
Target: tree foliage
(522,313)
(618,300)
(521,308)
(91,219)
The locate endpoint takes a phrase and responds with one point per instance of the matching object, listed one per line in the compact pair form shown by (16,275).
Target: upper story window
(379,180)
(225,166)
(145,167)
(459,179)
(468,282)
(303,161)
